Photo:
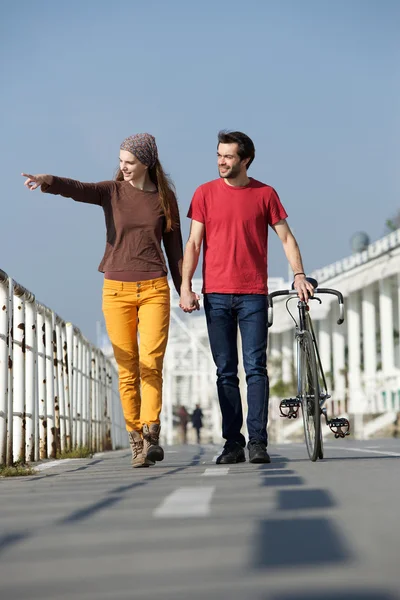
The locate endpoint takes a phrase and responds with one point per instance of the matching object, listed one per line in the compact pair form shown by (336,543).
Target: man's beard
(231,173)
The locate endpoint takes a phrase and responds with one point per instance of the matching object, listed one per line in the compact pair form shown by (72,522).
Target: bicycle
(312,390)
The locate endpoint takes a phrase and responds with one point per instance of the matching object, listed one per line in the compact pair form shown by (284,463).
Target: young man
(231,215)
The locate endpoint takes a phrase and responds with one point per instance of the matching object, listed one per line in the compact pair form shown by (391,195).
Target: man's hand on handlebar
(303,287)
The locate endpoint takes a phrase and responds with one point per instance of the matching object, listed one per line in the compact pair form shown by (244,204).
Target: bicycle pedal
(289,408)
(340,427)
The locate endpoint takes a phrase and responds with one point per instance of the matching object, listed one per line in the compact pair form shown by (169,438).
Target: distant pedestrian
(183,422)
(197,421)
(140,211)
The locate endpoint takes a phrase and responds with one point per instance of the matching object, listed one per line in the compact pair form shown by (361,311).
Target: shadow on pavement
(116,495)
(10,539)
(112,497)
(278,481)
(304,499)
(298,542)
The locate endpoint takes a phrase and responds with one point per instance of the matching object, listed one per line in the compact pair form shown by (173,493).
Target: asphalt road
(190,529)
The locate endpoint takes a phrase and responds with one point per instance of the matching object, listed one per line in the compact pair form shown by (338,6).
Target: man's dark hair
(245,144)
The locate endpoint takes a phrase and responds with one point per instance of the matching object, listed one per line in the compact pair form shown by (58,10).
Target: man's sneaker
(152,449)
(232,453)
(138,457)
(258,452)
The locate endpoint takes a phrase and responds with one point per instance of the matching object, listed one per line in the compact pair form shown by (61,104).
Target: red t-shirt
(235,242)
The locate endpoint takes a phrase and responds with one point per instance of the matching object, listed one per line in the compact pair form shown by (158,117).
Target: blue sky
(315,83)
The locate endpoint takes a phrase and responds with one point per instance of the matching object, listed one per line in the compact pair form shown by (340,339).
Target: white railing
(58,392)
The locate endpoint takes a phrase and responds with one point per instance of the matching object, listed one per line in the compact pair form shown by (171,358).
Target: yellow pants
(130,309)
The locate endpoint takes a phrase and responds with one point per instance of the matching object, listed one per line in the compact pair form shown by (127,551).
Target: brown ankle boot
(138,455)
(152,449)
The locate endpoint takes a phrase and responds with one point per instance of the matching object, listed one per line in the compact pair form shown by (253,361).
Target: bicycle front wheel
(310,393)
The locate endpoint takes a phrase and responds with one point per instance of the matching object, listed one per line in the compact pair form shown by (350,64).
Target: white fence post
(59,362)
(50,416)
(31,398)
(65,370)
(86,395)
(18,413)
(79,401)
(41,378)
(57,391)
(74,386)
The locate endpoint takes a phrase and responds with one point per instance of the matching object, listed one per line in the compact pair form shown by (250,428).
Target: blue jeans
(224,312)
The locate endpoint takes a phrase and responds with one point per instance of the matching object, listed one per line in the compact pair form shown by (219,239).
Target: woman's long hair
(166,192)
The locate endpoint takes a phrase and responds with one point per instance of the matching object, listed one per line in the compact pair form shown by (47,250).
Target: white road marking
(186,502)
(216,471)
(279,469)
(363,450)
(54,463)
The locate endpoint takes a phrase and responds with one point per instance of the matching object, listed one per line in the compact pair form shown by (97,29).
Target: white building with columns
(361,357)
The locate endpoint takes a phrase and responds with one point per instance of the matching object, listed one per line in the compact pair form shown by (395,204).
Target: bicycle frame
(305,324)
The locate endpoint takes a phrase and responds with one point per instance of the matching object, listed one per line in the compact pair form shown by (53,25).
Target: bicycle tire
(321,447)
(310,393)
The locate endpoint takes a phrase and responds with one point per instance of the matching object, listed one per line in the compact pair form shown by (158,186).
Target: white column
(369,332)
(356,396)
(287,356)
(4,367)
(398,319)
(274,356)
(386,326)
(324,344)
(338,346)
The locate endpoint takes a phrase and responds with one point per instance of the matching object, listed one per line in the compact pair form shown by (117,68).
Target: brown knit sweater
(135,225)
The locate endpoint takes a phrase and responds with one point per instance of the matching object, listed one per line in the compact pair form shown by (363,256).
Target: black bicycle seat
(313,282)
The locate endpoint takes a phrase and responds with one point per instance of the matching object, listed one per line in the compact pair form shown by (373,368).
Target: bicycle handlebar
(294,293)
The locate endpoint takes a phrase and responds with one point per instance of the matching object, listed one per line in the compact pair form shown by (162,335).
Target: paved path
(188,529)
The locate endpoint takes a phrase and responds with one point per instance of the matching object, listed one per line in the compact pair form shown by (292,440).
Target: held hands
(189,301)
(303,287)
(35,181)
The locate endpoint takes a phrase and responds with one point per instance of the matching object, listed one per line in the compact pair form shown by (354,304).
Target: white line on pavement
(216,471)
(363,450)
(54,463)
(186,502)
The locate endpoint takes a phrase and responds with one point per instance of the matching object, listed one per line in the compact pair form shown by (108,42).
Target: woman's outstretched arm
(91,193)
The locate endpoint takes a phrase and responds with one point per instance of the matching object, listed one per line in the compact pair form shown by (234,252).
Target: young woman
(140,210)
